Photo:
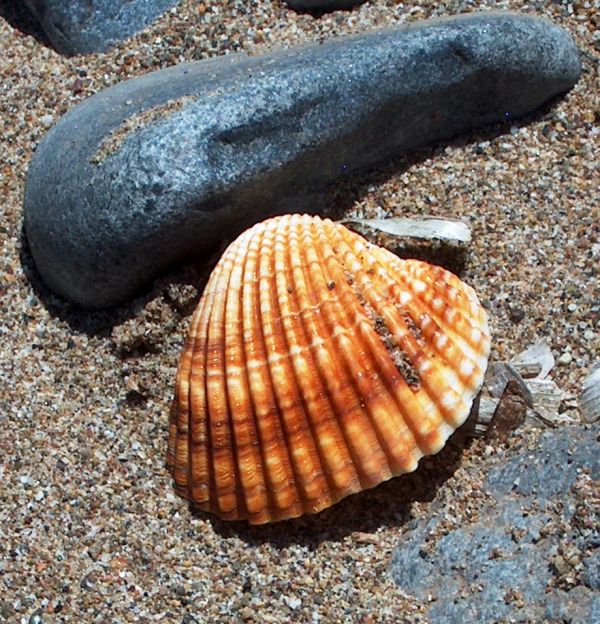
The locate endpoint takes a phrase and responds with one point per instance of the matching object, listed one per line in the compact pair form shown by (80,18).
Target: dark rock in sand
(85,26)
(499,567)
(162,168)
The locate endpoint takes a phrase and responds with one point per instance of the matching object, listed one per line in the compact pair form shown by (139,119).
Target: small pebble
(6,610)
(46,120)
(292,603)
(516,314)
(565,358)
(77,86)
(36,618)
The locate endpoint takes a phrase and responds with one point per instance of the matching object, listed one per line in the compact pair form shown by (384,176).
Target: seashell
(318,365)
(589,398)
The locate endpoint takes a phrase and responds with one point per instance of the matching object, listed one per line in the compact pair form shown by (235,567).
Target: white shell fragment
(481,416)
(419,227)
(527,370)
(494,392)
(499,374)
(589,399)
(542,397)
(538,354)
(547,397)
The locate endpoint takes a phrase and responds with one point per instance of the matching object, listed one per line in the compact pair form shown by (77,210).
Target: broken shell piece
(538,355)
(511,411)
(527,370)
(418,227)
(498,376)
(547,397)
(443,241)
(502,404)
(589,399)
(478,422)
(318,365)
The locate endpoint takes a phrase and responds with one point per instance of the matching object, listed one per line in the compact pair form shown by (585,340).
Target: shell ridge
(200,435)
(472,380)
(181,410)
(289,338)
(446,358)
(455,324)
(443,283)
(453,292)
(201,464)
(254,326)
(250,470)
(197,342)
(231,323)
(313,486)
(310,305)
(408,348)
(431,377)
(426,432)
(449,403)
(445,353)
(196,397)
(321,282)
(269,309)
(219,421)
(380,361)
(180,404)
(250,335)
(330,429)
(422,353)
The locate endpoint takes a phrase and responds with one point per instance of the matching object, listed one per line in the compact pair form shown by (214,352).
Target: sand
(90,528)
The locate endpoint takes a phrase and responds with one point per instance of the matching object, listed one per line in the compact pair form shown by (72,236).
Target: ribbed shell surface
(318,365)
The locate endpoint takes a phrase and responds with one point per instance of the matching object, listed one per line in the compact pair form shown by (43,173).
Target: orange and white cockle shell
(318,365)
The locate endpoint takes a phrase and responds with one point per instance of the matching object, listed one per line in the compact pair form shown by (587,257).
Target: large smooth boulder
(530,551)
(85,26)
(162,168)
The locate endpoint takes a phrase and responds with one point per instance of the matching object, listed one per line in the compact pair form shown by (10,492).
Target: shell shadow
(20,17)
(347,190)
(347,6)
(387,505)
(101,322)
(92,323)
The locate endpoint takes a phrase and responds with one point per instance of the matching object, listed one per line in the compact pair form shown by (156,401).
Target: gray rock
(322,5)
(577,606)
(84,26)
(471,574)
(591,574)
(548,470)
(162,168)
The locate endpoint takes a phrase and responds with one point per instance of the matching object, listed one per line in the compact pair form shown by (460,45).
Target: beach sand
(90,529)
